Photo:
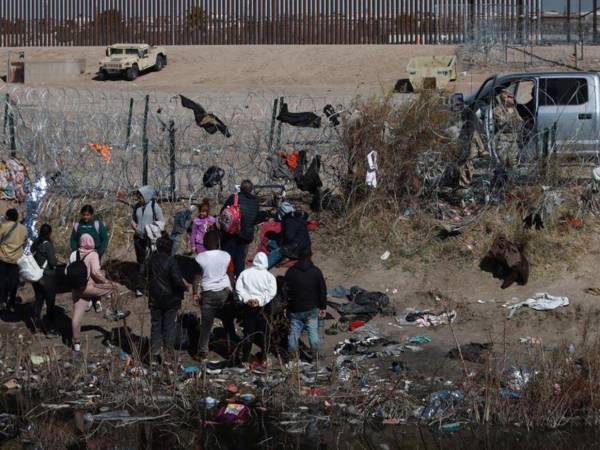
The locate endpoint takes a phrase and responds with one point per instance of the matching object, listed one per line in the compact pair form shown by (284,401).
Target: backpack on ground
(230,219)
(77,273)
(96,226)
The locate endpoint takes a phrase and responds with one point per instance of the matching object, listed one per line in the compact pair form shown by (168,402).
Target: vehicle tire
(102,75)
(132,73)
(160,63)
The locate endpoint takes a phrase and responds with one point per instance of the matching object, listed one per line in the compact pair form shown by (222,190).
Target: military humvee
(129,60)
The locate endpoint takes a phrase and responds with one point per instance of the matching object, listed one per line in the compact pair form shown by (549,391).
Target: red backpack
(230,219)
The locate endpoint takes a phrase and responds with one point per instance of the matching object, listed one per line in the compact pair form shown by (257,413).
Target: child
(201,225)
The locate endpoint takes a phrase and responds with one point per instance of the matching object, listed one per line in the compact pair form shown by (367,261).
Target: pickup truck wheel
(160,63)
(132,73)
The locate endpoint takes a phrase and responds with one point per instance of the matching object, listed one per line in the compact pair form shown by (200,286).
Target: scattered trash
(509,393)
(440,402)
(37,360)
(517,378)
(473,352)
(247,399)
(530,340)
(593,291)
(408,212)
(11,384)
(356,324)
(191,370)
(339,292)
(398,366)
(540,302)
(421,339)
(450,427)
(426,319)
(232,414)
(386,255)
(505,260)
(106,416)
(210,402)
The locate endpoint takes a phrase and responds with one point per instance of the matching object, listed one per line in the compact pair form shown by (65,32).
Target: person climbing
(166,289)
(201,225)
(44,290)
(148,223)
(236,244)
(294,237)
(306,292)
(182,225)
(255,288)
(88,224)
(96,285)
(13,237)
(214,289)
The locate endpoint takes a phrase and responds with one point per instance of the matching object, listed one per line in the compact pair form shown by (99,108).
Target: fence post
(145,143)
(595,21)
(568,20)
(11,130)
(6,102)
(273,118)
(279,125)
(129,119)
(172,158)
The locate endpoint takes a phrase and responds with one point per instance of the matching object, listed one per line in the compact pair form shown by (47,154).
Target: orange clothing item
(104,150)
(291,160)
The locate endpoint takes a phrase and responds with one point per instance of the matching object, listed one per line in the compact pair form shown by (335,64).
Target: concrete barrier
(39,72)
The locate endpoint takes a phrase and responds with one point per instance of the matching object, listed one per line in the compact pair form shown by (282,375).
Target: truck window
(563,91)
(132,51)
(116,51)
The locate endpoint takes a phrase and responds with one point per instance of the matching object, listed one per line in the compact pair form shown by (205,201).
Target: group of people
(222,286)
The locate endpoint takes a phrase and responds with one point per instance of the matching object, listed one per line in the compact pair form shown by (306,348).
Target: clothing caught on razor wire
(301,119)
(211,123)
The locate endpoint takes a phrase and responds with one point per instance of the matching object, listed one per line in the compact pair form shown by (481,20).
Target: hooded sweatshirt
(305,287)
(90,258)
(257,283)
(142,212)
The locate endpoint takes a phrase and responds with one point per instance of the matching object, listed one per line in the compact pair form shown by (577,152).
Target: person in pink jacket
(97,286)
(200,226)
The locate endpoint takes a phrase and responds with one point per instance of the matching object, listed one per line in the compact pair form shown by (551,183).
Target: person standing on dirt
(214,289)
(306,292)
(13,237)
(166,289)
(255,288)
(95,286)
(148,221)
(43,251)
(88,224)
(182,226)
(237,244)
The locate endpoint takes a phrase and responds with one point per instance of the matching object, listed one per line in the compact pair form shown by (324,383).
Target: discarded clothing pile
(506,260)
(424,319)
(332,115)
(473,352)
(284,165)
(363,304)
(13,180)
(366,346)
(211,123)
(539,302)
(440,403)
(301,119)
(103,150)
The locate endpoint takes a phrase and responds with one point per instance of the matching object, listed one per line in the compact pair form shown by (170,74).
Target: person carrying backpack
(88,224)
(87,282)
(236,240)
(166,289)
(148,217)
(13,237)
(45,289)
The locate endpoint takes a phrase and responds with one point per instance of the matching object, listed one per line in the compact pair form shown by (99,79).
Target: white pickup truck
(129,60)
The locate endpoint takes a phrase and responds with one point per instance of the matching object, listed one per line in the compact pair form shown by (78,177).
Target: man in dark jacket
(307,300)
(294,236)
(166,289)
(237,244)
(88,224)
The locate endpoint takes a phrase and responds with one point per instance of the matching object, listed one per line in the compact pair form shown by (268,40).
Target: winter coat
(44,253)
(248,204)
(257,283)
(199,228)
(295,234)
(100,236)
(148,212)
(305,288)
(11,247)
(166,285)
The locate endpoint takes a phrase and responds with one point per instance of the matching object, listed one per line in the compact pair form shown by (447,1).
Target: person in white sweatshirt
(255,288)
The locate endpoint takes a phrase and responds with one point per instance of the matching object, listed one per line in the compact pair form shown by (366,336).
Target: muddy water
(67,429)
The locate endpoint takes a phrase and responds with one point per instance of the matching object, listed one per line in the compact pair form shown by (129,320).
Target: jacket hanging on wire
(372,169)
(301,119)
(209,122)
(309,180)
(332,115)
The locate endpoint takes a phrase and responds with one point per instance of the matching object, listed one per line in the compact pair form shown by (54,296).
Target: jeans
(211,305)
(9,283)
(275,254)
(255,331)
(238,250)
(162,329)
(176,238)
(306,320)
(45,292)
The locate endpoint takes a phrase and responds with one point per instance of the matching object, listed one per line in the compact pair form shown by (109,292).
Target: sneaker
(120,315)
(89,306)
(77,347)
(139,293)
(98,306)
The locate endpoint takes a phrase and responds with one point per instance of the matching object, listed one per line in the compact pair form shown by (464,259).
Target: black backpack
(213,176)
(77,273)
